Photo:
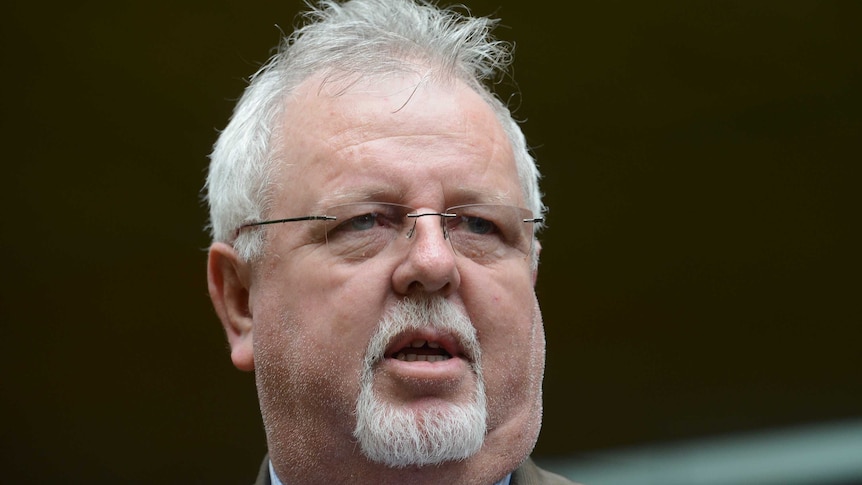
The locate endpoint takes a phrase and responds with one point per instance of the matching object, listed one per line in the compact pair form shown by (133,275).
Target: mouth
(425,362)
(425,347)
(423,351)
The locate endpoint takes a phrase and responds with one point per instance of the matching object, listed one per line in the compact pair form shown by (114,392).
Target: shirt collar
(275,481)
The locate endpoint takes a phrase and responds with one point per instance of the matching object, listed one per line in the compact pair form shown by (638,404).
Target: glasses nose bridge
(442,215)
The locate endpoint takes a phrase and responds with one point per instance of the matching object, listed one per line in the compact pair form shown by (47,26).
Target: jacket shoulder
(263,473)
(530,474)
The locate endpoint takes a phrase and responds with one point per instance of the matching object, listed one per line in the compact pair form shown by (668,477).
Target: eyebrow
(366,194)
(471,196)
(385,193)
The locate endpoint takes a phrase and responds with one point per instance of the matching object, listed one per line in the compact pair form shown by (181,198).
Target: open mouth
(424,348)
(422,351)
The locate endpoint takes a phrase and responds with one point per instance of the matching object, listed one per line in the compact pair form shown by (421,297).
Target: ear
(228,278)
(538,248)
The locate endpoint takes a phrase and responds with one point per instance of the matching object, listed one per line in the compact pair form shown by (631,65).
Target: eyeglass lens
(480,232)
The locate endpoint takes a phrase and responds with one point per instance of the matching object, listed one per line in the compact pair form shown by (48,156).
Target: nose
(430,264)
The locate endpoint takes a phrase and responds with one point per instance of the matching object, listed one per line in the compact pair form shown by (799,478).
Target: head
(381,101)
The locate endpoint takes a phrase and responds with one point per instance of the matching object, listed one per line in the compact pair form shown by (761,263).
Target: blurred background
(700,276)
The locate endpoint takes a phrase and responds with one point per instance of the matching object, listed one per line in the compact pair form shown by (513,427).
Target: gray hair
(361,37)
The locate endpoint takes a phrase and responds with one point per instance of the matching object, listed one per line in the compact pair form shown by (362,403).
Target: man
(373,211)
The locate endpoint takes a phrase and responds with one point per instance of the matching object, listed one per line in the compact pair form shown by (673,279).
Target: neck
(490,465)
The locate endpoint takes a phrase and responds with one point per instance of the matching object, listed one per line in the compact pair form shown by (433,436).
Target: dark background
(700,274)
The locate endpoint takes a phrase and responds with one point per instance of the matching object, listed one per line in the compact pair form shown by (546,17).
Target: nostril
(419,287)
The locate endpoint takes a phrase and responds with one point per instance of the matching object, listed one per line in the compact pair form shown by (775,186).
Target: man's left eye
(478,225)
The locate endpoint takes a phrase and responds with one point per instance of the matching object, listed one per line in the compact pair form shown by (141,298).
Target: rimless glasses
(481,232)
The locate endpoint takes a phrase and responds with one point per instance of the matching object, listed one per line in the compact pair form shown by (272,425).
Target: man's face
(428,146)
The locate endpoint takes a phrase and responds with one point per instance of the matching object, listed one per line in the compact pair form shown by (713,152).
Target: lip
(440,341)
(426,373)
(450,369)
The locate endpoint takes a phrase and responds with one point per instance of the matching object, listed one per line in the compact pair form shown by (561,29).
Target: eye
(362,222)
(478,225)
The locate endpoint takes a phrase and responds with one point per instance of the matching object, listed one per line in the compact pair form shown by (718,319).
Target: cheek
(308,360)
(336,308)
(304,389)
(345,308)
(512,338)
(314,330)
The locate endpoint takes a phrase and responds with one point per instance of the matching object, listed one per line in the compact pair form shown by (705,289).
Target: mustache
(423,312)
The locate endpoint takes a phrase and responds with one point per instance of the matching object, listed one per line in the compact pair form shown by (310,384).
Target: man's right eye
(363,222)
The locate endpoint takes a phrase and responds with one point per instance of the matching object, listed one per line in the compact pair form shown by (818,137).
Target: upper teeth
(418,344)
(421,357)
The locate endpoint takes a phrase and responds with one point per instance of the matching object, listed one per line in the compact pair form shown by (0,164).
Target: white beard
(399,437)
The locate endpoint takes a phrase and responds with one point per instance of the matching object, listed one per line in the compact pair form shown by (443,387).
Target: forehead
(399,137)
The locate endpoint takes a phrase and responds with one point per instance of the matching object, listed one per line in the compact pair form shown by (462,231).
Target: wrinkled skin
(302,321)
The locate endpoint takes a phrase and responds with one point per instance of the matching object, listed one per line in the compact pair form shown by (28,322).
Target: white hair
(363,37)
